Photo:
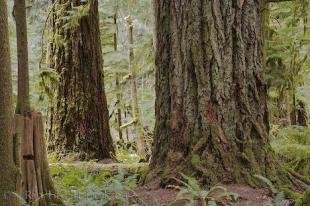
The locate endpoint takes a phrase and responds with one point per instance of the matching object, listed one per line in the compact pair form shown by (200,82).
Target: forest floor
(115,181)
(152,195)
(247,196)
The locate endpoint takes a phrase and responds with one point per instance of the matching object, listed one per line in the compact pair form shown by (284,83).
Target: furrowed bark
(8,170)
(79,119)
(211,109)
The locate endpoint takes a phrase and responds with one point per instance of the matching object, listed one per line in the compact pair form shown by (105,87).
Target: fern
(82,186)
(191,192)
(73,16)
(292,144)
(278,197)
(268,183)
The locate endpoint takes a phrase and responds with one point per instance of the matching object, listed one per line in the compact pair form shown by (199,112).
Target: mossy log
(112,168)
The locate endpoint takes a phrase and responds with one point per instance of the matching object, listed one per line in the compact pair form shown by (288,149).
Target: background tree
(9,172)
(138,127)
(287,58)
(79,119)
(117,63)
(117,82)
(211,108)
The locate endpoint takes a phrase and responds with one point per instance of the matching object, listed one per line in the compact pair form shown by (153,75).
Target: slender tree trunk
(126,129)
(284,106)
(117,84)
(8,170)
(29,127)
(23,100)
(293,111)
(80,119)
(211,110)
(138,128)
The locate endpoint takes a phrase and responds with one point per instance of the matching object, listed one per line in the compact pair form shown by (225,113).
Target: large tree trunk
(211,111)
(79,121)
(9,174)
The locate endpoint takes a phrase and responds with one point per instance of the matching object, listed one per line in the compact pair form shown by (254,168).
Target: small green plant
(46,86)
(192,193)
(75,15)
(80,186)
(278,196)
(292,145)
(126,156)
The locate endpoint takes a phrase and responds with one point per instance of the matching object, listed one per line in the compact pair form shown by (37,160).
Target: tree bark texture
(211,111)
(37,184)
(9,174)
(80,120)
(23,100)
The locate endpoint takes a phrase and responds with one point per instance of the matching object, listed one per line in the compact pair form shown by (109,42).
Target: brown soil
(152,196)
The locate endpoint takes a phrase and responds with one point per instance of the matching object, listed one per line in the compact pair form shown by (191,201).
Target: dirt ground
(247,196)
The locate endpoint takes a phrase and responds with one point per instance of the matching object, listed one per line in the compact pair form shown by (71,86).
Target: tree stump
(37,186)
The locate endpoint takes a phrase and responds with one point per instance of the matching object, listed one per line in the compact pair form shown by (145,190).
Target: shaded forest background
(287,49)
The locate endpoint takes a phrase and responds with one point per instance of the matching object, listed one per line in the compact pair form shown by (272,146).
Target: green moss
(290,194)
(195,160)
(298,202)
(306,197)
(292,145)
(303,200)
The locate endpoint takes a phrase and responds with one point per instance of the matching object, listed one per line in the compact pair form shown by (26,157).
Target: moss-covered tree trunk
(8,171)
(79,121)
(211,111)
